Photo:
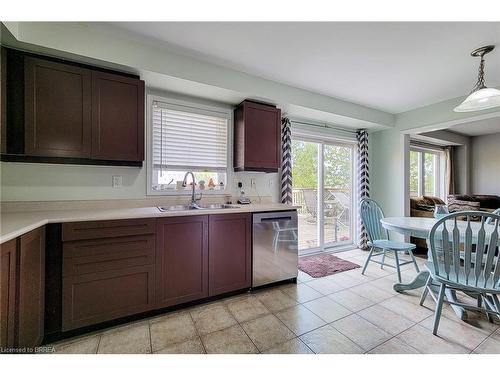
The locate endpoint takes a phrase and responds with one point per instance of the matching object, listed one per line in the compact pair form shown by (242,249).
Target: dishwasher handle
(276,218)
(268,217)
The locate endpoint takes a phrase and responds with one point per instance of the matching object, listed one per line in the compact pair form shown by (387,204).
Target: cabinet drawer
(99,297)
(83,257)
(87,230)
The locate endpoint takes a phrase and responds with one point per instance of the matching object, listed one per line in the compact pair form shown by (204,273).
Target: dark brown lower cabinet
(101,296)
(109,277)
(8,276)
(31,288)
(230,250)
(22,285)
(181,259)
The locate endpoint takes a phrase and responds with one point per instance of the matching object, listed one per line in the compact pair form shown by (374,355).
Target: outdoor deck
(337,210)
(308,229)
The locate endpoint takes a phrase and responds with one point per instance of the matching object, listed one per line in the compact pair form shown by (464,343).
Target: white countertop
(14,224)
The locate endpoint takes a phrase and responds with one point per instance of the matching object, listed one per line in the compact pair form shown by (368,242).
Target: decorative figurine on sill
(211,184)
(201,184)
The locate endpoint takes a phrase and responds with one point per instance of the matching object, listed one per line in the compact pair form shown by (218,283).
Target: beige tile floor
(342,313)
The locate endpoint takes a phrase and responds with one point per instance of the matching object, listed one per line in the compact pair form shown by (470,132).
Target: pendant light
(481,97)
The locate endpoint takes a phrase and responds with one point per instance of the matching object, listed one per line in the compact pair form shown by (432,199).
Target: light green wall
(31,182)
(51,182)
(387,177)
(486,164)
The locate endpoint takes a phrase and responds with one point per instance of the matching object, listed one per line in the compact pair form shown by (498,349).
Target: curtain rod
(322,125)
(425,145)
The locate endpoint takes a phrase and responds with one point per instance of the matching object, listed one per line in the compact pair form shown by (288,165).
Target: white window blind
(186,138)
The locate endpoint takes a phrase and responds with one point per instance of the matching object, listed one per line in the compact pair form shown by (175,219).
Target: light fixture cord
(480,78)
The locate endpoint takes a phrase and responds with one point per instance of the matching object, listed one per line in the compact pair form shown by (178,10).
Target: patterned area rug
(324,265)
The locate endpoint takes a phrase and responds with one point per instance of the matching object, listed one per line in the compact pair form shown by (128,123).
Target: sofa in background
(422,207)
(487,203)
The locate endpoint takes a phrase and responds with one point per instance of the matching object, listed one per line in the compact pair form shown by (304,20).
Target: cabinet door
(117,117)
(230,252)
(8,274)
(3,100)
(182,259)
(262,137)
(31,288)
(57,109)
(90,298)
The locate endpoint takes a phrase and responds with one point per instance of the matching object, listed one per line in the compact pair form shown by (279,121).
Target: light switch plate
(117,181)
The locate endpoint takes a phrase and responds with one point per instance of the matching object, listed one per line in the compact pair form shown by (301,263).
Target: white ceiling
(394,67)
(482,127)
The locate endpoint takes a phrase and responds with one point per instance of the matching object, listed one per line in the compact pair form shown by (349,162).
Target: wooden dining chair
(463,257)
(378,237)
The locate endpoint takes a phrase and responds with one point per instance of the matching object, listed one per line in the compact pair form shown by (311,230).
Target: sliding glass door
(322,175)
(305,191)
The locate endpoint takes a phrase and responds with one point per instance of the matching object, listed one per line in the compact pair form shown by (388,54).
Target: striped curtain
(286,161)
(363,182)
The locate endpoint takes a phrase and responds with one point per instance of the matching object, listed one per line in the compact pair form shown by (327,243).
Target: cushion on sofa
(457,205)
(462,197)
(432,201)
(415,201)
(425,207)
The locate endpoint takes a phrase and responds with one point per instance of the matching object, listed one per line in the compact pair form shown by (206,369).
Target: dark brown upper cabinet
(257,137)
(57,109)
(3,102)
(117,117)
(230,249)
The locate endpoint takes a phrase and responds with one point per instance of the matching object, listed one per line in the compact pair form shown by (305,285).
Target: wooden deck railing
(298,197)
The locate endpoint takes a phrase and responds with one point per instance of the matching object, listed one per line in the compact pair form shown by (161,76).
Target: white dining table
(420,227)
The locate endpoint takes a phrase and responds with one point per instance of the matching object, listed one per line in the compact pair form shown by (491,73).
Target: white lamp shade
(481,99)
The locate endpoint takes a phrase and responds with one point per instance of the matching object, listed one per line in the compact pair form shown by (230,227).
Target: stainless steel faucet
(194,200)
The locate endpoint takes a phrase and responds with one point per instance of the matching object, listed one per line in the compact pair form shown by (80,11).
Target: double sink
(213,206)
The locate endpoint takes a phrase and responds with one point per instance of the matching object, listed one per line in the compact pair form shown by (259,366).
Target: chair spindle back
(371,213)
(465,252)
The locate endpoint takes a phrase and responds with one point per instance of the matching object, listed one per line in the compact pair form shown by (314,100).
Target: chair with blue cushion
(378,237)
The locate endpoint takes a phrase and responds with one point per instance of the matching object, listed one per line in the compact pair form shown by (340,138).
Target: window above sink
(188,136)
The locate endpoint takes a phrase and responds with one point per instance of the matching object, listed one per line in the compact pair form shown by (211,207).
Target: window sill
(188,192)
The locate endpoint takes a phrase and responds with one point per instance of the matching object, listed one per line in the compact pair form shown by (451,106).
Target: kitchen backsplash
(54,182)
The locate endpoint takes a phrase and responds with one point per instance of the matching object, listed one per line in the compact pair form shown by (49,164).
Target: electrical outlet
(117,181)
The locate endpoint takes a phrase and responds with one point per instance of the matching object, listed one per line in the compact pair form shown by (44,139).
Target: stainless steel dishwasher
(275,247)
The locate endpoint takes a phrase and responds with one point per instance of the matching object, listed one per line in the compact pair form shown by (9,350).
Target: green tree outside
(337,166)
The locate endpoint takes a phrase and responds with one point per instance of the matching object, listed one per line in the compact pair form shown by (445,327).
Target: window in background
(425,172)
(188,138)
(430,178)
(414,172)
